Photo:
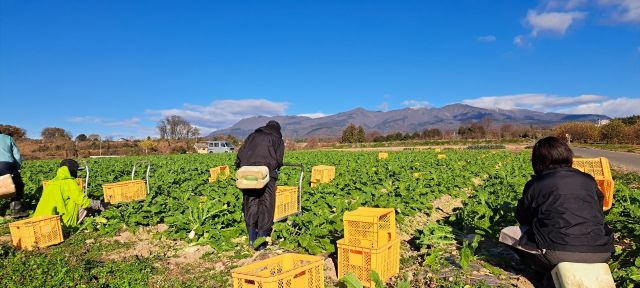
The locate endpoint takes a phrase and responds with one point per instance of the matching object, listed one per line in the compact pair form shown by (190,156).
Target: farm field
(190,233)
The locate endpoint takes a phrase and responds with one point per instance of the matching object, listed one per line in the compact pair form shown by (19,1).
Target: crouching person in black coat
(560,214)
(264,147)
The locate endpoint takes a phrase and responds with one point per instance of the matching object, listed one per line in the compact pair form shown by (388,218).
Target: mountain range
(449,117)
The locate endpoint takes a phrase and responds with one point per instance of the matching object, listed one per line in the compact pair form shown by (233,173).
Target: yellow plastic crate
(442,156)
(600,169)
(41,231)
(125,191)
(220,172)
(322,174)
(80,182)
(369,227)
(286,202)
(360,261)
(284,271)
(383,155)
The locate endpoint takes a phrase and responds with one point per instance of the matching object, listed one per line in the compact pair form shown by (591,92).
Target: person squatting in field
(10,162)
(560,214)
(263,147)
(62,196)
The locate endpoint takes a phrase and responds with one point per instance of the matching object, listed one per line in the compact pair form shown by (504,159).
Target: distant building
(201,147)
(601,122)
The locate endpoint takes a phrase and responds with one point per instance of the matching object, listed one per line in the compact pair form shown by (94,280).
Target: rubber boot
(253,235)
(17,211)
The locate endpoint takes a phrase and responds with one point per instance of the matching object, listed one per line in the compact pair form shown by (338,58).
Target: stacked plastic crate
(370,244)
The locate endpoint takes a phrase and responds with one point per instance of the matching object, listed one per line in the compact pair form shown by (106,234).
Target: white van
(219,147)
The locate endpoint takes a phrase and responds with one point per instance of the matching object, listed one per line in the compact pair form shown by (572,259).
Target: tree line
(617,131)
(473,130)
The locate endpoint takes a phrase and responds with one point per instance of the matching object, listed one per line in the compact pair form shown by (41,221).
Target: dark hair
(72,165)
(550,153)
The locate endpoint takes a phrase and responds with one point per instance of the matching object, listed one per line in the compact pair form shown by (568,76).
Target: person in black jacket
(560,213)
(264,147)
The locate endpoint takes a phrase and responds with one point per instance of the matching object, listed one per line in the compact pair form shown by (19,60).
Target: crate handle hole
(247,281)
(300,274)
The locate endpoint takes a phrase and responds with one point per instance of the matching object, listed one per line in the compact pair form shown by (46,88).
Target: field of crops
(456,250)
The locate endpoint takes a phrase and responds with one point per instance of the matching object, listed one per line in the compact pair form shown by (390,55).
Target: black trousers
(545,262)
(258,206)
(12,168)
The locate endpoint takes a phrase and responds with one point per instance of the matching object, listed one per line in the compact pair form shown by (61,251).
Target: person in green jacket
(64,197)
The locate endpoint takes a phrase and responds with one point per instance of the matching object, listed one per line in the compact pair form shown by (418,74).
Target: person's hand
(98,205)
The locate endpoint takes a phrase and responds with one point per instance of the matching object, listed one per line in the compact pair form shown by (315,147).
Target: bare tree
(51,133)
(506,130)
(175,127)
(13,131)
(93,137)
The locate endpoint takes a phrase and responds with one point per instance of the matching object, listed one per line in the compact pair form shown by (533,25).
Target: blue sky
(116,67)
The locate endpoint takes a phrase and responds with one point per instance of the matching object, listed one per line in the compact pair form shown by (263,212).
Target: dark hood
(272,127)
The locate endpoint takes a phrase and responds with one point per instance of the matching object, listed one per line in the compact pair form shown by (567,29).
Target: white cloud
(415,104)
(623,10)
(543,102)
(313,115)
(486,38)
(582,104)
(125,128)
(564,4)
(128,123)
(554,22)
(521,41)
(384,107)
(224,113)
(85,120)
(618,107)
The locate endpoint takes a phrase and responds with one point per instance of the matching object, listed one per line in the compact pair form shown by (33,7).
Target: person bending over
(10,162)
(264,147)
(64,197)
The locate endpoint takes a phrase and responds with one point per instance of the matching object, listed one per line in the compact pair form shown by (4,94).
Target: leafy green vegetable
(351,281)
(200,212)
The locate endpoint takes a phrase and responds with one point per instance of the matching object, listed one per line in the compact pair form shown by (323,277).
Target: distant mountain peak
(448,117)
